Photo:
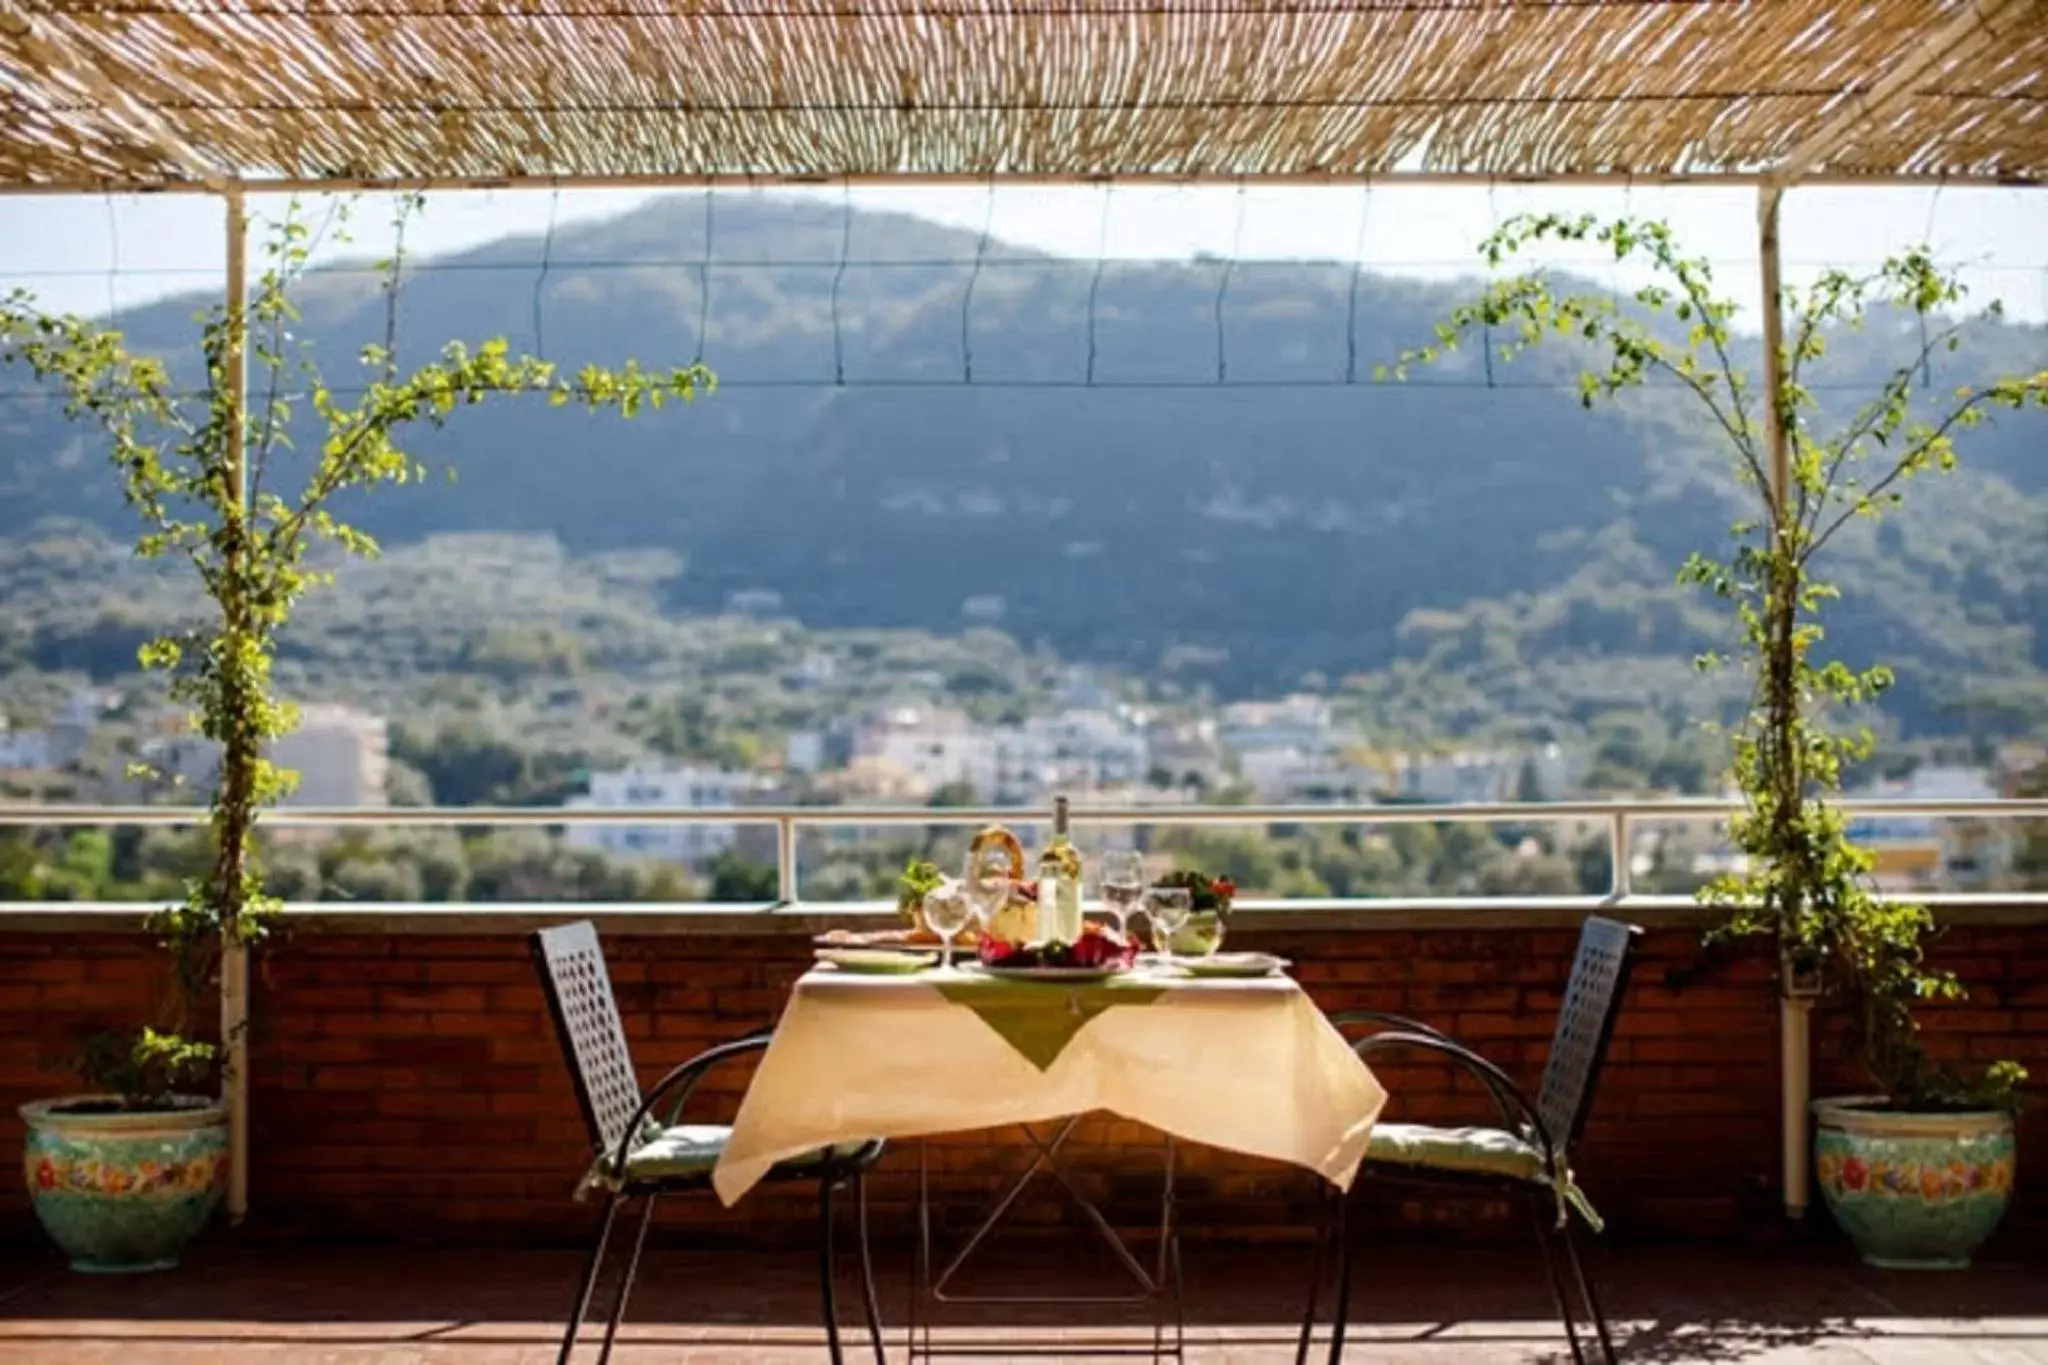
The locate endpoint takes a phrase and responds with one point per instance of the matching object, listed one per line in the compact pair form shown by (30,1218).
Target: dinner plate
(877,961)
(1066,975)
(1234,965)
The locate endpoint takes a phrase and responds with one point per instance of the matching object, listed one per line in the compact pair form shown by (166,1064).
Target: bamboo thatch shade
(125,93)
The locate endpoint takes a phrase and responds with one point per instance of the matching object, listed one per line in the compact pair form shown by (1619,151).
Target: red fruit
(1093,951)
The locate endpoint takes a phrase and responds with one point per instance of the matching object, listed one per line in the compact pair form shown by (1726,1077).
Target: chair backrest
(1585,1024)
(587,1024)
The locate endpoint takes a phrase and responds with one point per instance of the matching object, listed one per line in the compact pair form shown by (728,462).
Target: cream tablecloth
(1251,1066)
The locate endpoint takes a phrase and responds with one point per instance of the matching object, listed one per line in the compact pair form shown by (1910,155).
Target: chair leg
(1343,1315)
(1317,1266)
(611,1328)
(867,1267)
(1587,1297)
(1557,1288)
(589,1281)
(827,1292)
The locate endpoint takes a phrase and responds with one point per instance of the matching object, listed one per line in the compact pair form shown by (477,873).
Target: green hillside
(1480,551)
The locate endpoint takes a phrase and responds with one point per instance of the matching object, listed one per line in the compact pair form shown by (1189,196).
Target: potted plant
(123,1179)
(1919,1171)
(1209,915)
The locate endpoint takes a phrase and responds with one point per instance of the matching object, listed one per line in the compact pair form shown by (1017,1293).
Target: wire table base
(1160,1287)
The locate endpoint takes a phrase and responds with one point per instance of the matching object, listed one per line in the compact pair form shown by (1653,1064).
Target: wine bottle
(1059,882)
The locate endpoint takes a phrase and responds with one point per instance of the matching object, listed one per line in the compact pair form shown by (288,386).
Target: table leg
(1162,1287)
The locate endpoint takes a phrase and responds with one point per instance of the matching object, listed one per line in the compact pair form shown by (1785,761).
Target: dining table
(1248,1064)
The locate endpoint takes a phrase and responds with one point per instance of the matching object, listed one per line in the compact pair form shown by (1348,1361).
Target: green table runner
(1039,1018)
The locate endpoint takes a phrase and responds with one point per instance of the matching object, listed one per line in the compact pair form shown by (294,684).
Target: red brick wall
(409,1086)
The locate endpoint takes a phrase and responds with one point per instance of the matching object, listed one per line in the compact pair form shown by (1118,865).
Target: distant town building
(1912,853)
(1005,764)
(186,759)
(933,748)
(815,669)
(804,751)
(691,844)
(1300,722)
(341,754)
(1079,747)
(871,782)
(1184,755)
(24,750)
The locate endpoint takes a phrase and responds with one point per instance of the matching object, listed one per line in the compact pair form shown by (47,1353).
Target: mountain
(1096,489)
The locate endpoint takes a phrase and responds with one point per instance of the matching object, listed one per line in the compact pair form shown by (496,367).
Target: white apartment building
(691,844)
(341,754)
(1302,721)
(932,748)
(1079,748)
(1485,774)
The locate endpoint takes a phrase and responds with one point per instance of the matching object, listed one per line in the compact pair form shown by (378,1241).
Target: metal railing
(1620,818)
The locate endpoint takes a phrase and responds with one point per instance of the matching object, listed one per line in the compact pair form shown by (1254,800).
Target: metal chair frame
(601,1100)
(1553,1122)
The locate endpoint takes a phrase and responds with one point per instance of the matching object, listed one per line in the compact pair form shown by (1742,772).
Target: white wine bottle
(1059,882)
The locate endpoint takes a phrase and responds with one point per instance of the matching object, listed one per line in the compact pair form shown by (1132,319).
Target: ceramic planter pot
(124,1190)
(1200,936)
(1913,1191)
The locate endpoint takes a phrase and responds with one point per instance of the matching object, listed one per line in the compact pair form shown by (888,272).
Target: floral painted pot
(120,1189)
(1201,936)
(1913,1191)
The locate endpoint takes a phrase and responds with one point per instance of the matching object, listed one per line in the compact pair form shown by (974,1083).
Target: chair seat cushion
(1473,1151)
(689,1151)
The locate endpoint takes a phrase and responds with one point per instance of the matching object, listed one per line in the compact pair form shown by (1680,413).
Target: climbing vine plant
(1803,880)
(220,488)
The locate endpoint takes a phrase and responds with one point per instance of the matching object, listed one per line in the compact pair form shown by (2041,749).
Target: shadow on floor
(1435,1304)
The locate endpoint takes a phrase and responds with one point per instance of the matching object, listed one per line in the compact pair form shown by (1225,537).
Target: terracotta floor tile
(1427,1305)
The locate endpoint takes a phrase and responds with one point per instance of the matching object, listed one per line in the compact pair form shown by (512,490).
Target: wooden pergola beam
(1966,36)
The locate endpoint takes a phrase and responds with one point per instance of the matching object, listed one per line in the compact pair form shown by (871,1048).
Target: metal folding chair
(637,1157)
(1525,1158)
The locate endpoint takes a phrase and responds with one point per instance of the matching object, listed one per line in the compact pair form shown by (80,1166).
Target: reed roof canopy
(120,95)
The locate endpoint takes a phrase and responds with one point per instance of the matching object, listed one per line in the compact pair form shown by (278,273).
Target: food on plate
(1098,946)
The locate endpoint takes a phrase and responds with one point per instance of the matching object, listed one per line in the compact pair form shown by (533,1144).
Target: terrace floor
(1433,1305)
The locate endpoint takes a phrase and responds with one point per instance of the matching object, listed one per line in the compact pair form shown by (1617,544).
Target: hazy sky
(90,253)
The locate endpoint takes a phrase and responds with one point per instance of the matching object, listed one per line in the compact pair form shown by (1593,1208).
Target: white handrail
(1621,817)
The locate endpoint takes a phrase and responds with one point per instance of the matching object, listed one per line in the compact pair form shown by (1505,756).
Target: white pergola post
(234,958)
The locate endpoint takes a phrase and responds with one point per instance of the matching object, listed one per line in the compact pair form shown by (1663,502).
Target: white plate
(877,961)
(1234,965)
(1069,975)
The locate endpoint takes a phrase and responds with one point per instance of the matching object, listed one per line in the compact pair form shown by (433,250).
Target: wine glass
(987,890)
(947,910)
(1123,885)
(1168,907)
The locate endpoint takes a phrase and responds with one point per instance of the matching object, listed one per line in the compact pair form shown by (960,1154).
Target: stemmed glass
(1168,907)
(987,889)
(1123,885)
(947,910)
